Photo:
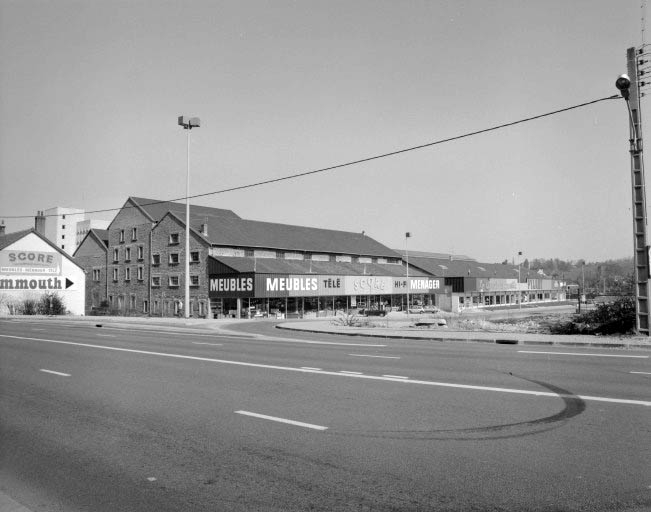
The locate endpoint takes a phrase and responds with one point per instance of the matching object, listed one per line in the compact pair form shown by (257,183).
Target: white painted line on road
(310,368)
(337,374)
(379,357)
(580,354)
(55,373)
(282,420)
(350,373)
(203,343)
(151,478)
(106,335)
(395,376)
(35,329)
(643,373)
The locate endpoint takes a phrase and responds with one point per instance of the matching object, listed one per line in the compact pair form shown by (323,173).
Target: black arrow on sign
(69,283)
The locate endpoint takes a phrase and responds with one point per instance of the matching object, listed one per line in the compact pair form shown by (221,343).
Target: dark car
(372,312)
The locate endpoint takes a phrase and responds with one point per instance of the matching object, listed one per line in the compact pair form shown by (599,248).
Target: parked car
(372,312)
(416,309)
(431,309)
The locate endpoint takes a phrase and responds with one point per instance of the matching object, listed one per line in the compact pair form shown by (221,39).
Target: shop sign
(368,285)
(30,262)
(331,285)
(283,285)
(423,284)
(240,285)
(497,285)
(400,285)
(34,283)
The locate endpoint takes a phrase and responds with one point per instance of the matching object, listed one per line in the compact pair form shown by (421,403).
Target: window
(333,257)
(127,254)
(155,281)
(194,257)
(173,281)
(134,233)
(116,254)
(63,217)
(174,238)
(174,258)
(248,253)
(145,306)
(140,273)
(63,236)
(63,246)
(155,259)
(127,274)
(194,280)
(96,274)
(280,255)
(132,302)
(307,256)
(141,253)
(63,227)
(115,274)
(122,236)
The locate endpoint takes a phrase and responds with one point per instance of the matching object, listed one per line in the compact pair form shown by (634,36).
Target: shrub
(615,318)
(29,307)
(51,304)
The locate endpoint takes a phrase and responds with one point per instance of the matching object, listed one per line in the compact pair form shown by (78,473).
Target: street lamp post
(407,236)
(188,123)
(519,290)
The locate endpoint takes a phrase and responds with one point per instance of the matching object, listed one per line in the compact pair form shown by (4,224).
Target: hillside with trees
(611,277)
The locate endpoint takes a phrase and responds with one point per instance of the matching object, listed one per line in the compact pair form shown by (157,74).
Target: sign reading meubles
(284,285)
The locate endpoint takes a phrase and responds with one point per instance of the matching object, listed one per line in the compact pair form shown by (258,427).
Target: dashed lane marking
(350,373)
(395,376)
(282,420)
(205,343)
(643,373)
(529,392)
(60,374)
(310,368)
(378,357)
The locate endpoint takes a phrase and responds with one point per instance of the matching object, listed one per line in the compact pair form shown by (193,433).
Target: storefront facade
(305,295)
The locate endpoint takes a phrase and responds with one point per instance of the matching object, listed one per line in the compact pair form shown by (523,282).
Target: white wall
(22,276)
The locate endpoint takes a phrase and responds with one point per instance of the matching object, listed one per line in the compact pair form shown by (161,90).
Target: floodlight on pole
(407,236)
(188,123)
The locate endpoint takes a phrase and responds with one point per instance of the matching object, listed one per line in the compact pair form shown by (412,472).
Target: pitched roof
(436,255)
(157,209)
(225,228)
(101,237)
(10,238)
(277,266)
(442,267)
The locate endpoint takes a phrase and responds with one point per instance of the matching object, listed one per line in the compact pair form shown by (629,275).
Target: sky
(90,92)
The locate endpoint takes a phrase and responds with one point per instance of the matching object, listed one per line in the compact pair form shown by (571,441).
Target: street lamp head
(189,122)
(623,83)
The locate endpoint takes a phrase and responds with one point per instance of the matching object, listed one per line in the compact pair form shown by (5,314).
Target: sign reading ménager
(30,262)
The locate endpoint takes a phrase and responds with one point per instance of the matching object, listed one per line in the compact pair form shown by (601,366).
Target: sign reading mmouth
(51,283)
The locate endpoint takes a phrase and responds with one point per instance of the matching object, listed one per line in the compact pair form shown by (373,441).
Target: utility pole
(630,90)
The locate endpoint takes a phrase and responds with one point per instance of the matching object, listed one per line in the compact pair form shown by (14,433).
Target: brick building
(92,256)
(145,257)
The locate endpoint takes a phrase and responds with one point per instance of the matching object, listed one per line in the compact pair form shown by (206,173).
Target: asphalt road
(104,419)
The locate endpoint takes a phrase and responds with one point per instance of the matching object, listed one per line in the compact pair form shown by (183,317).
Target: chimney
(2,228)
(204,228)
(39,223)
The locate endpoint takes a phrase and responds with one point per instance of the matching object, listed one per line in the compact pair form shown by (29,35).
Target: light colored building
(61,226)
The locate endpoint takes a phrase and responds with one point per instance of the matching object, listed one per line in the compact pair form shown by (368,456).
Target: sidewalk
(445,334)
(399,330)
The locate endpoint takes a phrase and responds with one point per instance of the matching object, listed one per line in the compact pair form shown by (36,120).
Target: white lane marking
(580,354)
(337,374)
(643,373)
(35,329)
(203,343)
(310,368)
(106,335)
(281,420)
(395,376)
(379,357)
(55,373)
(350,373)
(151,479)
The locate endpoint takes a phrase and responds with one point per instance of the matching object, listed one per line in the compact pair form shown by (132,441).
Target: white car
(431,309)
(416,309)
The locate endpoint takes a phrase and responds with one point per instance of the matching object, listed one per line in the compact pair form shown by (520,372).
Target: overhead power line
(354,162)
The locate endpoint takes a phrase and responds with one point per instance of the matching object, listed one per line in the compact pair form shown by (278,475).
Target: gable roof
(11,238)
(99,235)
(225,228)
(157,209)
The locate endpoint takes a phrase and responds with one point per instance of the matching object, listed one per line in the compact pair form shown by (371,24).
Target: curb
(497,341)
